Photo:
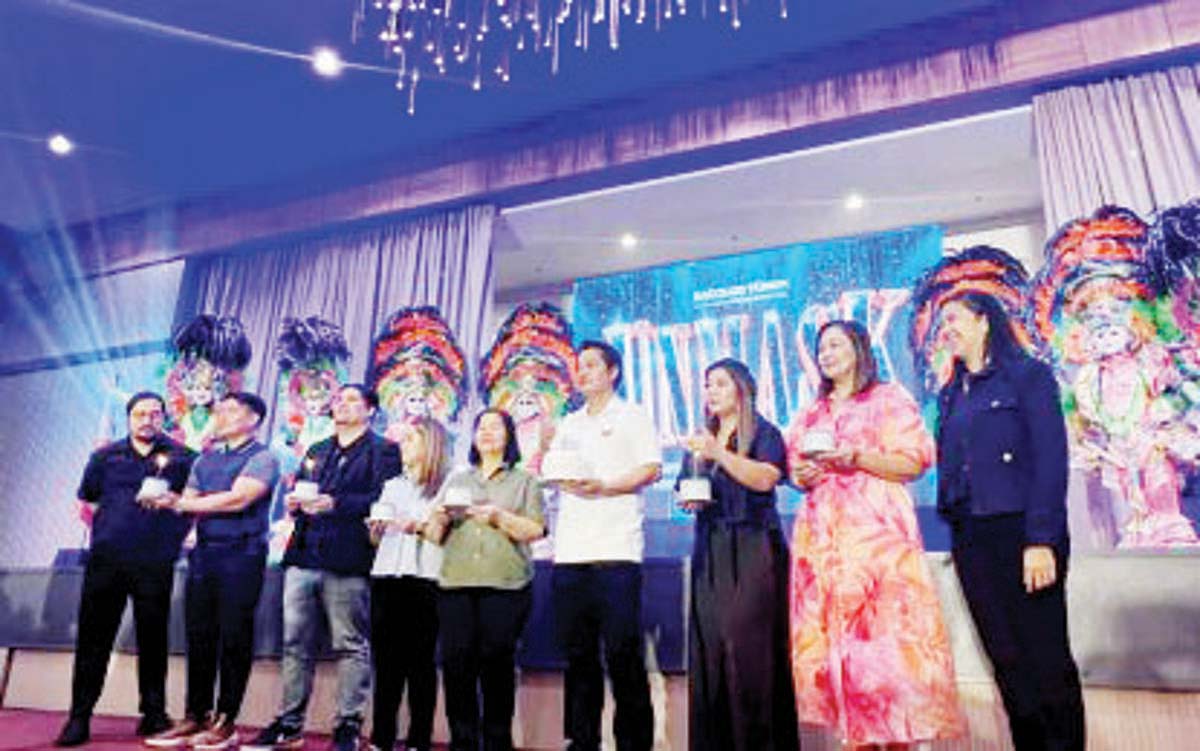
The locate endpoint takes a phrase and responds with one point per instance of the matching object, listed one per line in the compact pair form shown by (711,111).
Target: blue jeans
(345,602)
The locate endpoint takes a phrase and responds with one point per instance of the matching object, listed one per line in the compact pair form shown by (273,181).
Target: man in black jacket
(133,552)
(328,562)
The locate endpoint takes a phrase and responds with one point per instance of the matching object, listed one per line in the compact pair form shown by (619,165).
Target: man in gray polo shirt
(229,493)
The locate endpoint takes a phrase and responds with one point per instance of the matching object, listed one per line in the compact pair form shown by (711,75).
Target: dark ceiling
(163,115)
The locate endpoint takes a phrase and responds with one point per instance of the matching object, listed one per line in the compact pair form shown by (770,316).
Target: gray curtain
(356,278)
(1129,141)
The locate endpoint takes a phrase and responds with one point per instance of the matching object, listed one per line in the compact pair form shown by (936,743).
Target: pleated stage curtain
(1131,141)
(355,278)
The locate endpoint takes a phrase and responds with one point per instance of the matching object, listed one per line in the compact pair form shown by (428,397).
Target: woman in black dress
(740,679)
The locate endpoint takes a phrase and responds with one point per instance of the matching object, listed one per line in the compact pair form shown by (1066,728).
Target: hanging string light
(485,35)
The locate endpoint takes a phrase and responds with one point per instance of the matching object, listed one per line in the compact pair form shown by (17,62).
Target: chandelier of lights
(473,40)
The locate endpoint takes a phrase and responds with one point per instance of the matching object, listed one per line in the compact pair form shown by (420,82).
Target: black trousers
(740,676)
(107,584)
(223,585)
(404,631)
(1024,635)
(480,628)
(601,604)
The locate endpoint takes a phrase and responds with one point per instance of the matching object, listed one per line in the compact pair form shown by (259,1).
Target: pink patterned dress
(870,655)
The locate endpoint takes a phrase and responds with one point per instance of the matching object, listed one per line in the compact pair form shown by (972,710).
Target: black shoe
(415,746)
(76,732)
(276,737)
(345,737)
(153,724)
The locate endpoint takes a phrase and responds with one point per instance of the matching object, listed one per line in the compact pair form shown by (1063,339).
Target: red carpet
(31,730)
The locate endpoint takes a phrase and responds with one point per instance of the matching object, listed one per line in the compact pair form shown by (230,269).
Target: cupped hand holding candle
(458,499)
(306,492)
(485,512)
(695,488)
(155,486)
(319,505)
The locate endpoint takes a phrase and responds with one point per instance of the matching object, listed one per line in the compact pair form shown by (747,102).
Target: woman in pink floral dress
(870,655)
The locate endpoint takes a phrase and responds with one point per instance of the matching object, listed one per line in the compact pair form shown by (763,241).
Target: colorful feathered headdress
(1104,254)
(313,357)
(532,350)
(206,361)
(981,268)
(1173,247)
(416,354)
(219,340)
(311,344)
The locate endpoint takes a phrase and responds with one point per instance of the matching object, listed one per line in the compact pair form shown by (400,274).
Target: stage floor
(1133,623)
(1117,721)
(33,730)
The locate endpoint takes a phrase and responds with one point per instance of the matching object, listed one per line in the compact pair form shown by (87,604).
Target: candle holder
(155,486)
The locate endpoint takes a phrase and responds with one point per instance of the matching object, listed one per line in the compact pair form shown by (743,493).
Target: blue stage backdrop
(763,308)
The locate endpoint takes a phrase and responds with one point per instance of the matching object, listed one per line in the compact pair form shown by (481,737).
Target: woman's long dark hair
(1000,346)
(747,391)
(512,452)
(866,371)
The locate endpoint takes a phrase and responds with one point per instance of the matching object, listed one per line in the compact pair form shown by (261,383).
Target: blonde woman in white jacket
(404,589)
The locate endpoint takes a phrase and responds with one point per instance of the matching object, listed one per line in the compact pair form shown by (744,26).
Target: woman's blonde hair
(429,476)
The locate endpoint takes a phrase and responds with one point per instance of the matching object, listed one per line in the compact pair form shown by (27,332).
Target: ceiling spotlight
(629,241)
(60,145)
(854,202)
(327,62)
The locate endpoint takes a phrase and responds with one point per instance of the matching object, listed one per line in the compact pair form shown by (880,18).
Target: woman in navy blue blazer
(1002,485)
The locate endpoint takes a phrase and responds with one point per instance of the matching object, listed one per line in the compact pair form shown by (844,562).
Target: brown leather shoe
(218,736)
(179,735)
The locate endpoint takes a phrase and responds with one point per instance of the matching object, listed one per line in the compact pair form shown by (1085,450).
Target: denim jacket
(1002,447)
